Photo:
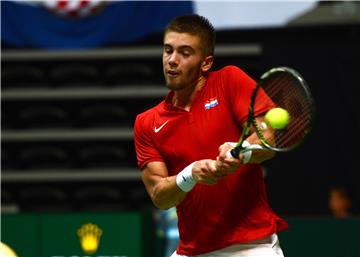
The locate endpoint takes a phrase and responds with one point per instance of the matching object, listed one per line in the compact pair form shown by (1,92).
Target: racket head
(286,89)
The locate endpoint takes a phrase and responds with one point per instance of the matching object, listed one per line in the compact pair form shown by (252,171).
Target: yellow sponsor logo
(89,235)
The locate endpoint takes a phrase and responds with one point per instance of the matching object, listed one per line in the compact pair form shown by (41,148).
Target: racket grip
(235,152)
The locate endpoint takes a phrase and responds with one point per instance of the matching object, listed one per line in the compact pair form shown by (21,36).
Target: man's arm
(163,189)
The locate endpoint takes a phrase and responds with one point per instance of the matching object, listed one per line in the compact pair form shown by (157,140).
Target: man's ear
(207,63)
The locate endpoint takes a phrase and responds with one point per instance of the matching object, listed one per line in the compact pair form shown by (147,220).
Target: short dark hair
(195,25)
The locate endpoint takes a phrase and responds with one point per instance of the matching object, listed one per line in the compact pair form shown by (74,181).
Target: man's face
(182,60)
(338,202)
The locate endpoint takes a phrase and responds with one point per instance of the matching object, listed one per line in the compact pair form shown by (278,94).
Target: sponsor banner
(79,235)
(84,23)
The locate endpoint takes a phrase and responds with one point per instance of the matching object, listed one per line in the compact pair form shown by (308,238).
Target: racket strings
(287,92)
(296,132)
(292,102)
(273,89)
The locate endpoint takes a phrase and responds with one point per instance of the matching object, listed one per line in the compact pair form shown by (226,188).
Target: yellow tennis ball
(277,118)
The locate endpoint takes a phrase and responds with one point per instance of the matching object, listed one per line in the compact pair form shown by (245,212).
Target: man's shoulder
(231,73)
(229,69)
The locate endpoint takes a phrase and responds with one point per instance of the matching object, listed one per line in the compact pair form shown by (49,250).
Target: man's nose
(174,60)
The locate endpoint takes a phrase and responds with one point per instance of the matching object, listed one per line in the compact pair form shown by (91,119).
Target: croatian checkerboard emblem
(212,102)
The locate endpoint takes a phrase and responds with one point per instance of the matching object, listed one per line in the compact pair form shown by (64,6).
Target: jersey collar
(168,100)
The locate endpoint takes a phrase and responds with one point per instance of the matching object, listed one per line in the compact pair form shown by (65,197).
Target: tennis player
(221,202)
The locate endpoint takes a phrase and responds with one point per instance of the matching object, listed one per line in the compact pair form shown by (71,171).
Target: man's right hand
(228,164)
(208,172)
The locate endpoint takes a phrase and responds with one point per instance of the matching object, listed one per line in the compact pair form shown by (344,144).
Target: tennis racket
(285,88)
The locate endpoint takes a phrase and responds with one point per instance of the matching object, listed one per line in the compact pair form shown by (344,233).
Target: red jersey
(236,209)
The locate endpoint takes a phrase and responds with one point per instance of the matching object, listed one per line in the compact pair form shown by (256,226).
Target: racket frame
(252,121)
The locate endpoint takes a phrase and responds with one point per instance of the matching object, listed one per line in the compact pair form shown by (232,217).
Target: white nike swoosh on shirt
(159,128)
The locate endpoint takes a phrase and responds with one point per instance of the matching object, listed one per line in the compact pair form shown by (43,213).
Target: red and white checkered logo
(74,8)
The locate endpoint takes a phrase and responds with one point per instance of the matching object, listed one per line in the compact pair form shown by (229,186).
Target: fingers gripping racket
(284,89)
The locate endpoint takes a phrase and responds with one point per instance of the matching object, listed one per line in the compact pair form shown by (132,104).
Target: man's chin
(174,87)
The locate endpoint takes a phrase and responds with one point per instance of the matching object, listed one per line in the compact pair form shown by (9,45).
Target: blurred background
(74,75)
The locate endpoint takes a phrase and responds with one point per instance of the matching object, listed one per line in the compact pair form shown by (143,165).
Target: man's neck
(183,99)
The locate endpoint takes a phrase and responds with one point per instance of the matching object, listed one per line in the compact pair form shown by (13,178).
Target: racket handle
(235,152)
(246,149)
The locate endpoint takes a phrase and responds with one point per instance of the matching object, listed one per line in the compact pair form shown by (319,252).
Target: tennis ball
(277,118)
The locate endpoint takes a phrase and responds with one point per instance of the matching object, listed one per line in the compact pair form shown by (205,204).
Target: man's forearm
(167,194)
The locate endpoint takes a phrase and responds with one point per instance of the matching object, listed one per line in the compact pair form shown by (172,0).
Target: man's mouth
(173,73)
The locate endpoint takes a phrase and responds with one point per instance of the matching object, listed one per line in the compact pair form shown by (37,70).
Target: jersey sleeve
(240,87)
(145,149)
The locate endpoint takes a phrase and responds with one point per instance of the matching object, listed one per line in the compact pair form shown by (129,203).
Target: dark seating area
(23,76)
(67,122)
